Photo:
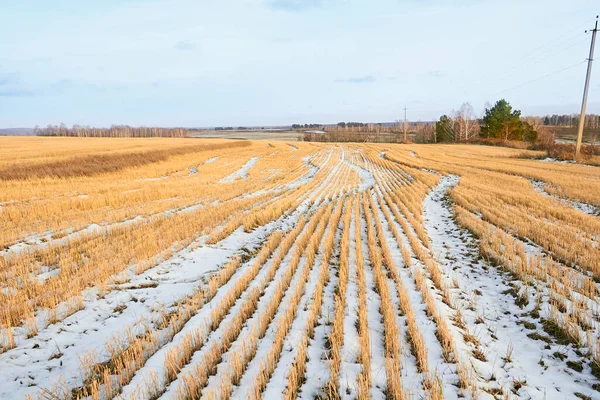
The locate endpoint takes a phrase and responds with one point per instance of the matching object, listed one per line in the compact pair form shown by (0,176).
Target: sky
(200,63)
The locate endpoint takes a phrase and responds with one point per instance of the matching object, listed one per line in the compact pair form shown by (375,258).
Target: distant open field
(569,134)
(251,135)
(215,269)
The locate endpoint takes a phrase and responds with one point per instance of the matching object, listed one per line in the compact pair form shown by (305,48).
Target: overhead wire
(530,60)
(540,78)
(558,44)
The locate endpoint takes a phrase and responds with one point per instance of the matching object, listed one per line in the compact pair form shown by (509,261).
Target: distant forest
(592,121)
(16,131)
(114,131)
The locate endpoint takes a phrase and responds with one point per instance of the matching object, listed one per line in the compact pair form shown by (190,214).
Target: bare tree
(537,123)
(424,133)
(467,125)
(398,126)
(113,131)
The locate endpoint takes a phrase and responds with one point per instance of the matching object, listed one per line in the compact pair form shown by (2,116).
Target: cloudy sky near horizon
(270,62)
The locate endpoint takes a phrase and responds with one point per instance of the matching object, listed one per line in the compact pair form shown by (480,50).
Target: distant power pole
(585,91)
(405,139)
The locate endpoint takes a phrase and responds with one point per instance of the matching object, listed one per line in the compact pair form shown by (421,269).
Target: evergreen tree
(502,122)
(529,134)
(444,129)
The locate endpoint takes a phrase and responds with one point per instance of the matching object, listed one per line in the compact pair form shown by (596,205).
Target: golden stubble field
(213,268)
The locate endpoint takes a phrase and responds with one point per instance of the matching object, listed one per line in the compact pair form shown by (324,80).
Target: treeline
(340,125)
(116,131)
(500,122)
(351,124)
(592,121)
(355,127)
(418,132)
(307,126)
(231,128)
(366,127)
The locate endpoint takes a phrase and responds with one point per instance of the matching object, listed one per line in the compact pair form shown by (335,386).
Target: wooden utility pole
(405,138)
(585,91)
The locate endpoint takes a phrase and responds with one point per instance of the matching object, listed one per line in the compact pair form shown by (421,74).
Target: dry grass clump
(590,154)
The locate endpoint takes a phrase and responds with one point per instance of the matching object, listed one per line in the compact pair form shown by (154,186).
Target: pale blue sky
(250,62)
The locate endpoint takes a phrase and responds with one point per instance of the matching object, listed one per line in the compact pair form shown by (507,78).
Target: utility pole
(405,138)
(585,91)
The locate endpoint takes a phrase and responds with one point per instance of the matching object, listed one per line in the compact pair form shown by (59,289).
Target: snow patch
(366,177)
(241,173)
(194,170)
(589,209)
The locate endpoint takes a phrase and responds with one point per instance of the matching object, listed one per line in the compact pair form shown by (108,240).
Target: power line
(540,78)
(529,61)
(557,41)
(559,48)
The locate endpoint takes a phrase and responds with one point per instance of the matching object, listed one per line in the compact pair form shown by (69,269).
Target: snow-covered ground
(52,358)
(534,370)
(502,345)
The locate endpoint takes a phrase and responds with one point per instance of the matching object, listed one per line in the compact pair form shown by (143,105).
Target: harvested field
(215,269)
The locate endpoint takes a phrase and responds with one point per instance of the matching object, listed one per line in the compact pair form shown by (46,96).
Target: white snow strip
(366,177)
(241,173)
(37,242)
(583,207)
